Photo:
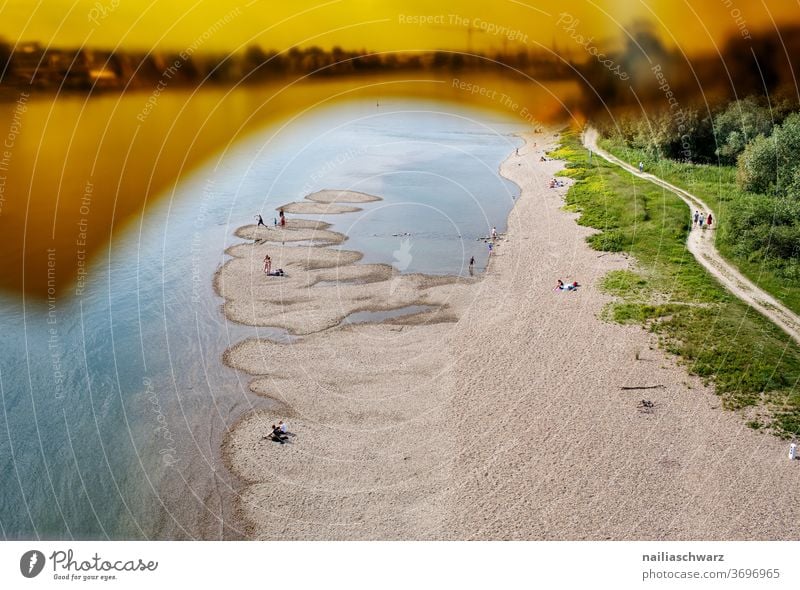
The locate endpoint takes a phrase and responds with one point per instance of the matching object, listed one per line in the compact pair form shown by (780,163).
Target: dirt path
(701,244)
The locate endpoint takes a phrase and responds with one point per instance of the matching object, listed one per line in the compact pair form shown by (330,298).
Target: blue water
(115,400)
(436,172)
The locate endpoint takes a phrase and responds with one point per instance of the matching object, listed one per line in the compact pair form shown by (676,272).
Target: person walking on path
(709,220)
(641,166)
(267,264)
(260,221)
(700,221)
(696,217)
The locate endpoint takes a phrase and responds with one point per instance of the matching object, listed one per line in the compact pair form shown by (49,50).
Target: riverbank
(498,415)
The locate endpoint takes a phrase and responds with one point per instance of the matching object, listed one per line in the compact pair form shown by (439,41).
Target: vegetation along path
(701,245)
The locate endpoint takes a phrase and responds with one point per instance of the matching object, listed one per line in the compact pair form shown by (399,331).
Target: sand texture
(496,413)
(311,208)
(329,202)
(329,196)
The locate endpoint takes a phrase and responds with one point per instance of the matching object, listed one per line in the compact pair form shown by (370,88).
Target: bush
(738,124)
(608,241)
(766,229)
(770,165)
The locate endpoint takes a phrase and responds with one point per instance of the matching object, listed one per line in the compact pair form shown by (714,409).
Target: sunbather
(562,287)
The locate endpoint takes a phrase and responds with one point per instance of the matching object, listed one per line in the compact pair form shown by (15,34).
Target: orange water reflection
(79,170)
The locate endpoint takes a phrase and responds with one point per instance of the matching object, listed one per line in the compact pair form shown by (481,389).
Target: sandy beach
(493,412)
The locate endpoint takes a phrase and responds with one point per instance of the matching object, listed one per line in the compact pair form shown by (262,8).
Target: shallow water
(115,399)
(363,317)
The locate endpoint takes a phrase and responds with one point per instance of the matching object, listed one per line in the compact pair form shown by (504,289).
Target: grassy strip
(716,185)
(752,363)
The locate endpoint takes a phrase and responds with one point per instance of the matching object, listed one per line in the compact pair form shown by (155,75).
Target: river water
(114,396)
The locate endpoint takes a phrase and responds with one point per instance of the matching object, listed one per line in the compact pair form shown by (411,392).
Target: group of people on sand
(267,260)
(275,221)
(268,268)
(280,433)
(555,183)
(561,286)
(702,221)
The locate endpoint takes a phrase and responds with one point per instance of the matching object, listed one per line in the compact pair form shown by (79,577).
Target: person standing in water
(282,217)
(494,233)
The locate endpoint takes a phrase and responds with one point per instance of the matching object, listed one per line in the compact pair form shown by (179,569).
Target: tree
(770,165)
(5,58)
(739,123)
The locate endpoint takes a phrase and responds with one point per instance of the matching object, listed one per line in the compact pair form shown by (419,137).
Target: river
(114,396)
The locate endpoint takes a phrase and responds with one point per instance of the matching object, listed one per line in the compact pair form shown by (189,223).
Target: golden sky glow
(376,24)
(71,139)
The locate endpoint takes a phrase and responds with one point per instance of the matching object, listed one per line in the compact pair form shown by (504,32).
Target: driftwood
(628,387)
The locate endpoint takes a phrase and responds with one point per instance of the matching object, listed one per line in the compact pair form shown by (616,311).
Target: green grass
(749,360)
(716,185)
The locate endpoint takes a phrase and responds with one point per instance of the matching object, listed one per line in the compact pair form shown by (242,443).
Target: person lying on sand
(562,287)
(277,273)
